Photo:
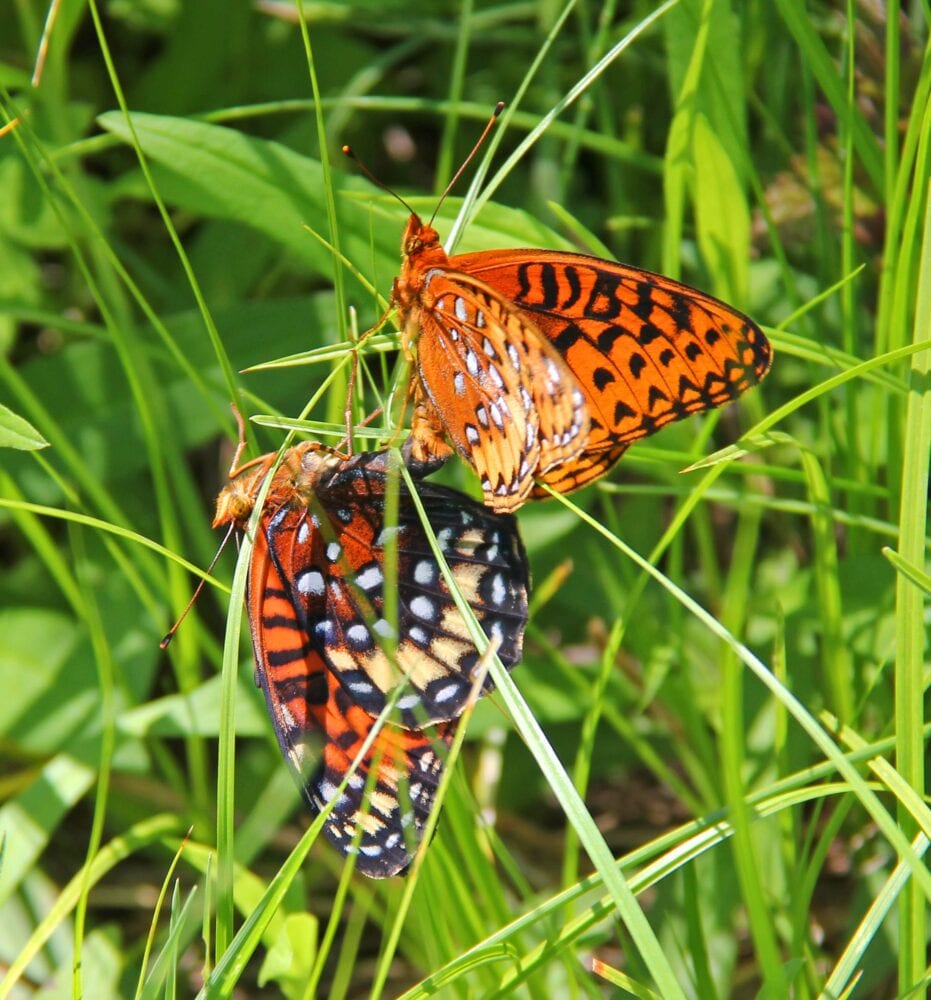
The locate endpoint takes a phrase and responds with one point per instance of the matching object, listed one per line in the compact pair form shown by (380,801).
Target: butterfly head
(420,240)
(236,500)
(299,470)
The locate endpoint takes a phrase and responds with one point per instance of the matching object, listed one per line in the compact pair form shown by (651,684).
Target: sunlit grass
(721,704)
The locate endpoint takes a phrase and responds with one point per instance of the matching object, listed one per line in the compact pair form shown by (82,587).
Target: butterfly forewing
(644,349)
(383,808)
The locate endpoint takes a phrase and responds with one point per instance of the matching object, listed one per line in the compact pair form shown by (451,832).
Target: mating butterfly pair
(542,367)
(329,657)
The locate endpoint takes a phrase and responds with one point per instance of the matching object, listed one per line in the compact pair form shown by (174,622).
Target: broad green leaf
(15,432)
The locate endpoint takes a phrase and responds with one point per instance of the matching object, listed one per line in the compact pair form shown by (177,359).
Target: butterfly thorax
(423,257)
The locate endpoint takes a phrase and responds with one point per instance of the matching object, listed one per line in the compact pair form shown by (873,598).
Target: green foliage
(707,776)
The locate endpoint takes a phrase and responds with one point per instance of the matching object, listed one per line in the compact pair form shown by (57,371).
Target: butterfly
(543,366)
(329,652)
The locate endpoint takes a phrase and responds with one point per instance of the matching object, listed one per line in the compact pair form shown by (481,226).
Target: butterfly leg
(241,444)
(426,447)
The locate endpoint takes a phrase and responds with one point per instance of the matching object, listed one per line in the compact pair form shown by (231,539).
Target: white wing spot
(303,533)
(471,362)
(408,701)
(333,551)
(310,583)
(445,537)
(496,415)
(387,533)
(482,416)
(383,628)
(325,630)
(445,693)
(423,607)
(496,376)
(525,399)
(462,312)
(459,383)
(418,635)
(359,636)
(370,578)
(425,572)
(479,319)
(472,434)
(361,687)
(489,349)
(514,355)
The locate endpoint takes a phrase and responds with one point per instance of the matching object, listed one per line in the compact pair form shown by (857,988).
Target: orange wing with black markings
(320,730)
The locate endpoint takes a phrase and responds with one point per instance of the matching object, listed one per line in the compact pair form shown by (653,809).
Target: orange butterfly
(317,616)
(543,366)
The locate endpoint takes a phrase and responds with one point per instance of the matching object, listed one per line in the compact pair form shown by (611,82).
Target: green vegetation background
(746,725)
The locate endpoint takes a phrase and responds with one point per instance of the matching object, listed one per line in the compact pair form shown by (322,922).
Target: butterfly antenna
(200,586)
(499,107)
(350,152)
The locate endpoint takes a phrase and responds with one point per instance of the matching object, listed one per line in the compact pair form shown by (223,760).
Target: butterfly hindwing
(381,812)
(428,651)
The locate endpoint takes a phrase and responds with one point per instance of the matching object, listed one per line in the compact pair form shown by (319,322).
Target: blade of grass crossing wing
(390,945)
(628,909)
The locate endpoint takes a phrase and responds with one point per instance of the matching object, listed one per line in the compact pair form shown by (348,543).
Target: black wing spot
(602,377)
(693,351)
